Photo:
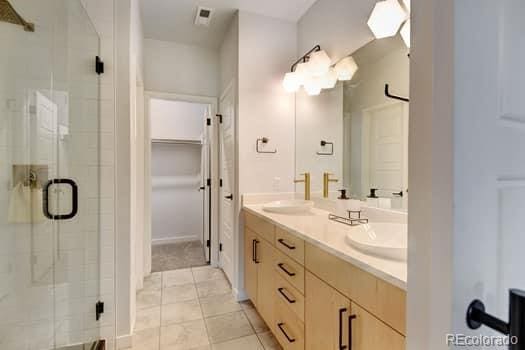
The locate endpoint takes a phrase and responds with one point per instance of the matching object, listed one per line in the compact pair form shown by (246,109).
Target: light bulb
(346,68)
(312,86)
(291,82)
(405,33)
(386,18)
(329,79)
(319,63)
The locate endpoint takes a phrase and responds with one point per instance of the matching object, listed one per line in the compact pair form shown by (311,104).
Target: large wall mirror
(357,133)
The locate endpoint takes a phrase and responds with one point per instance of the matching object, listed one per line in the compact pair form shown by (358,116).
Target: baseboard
(124,342)
(240,295)
(171,240)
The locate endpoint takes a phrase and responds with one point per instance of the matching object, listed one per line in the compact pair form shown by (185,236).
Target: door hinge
(99,65)
(207,243)
(220,247)
(99,309)
(220,183)
(220,118)
(208,121)
(208,182)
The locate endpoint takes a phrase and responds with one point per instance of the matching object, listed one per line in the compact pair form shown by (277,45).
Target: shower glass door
(53,265)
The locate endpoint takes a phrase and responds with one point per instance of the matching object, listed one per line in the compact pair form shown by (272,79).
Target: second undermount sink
(294,206)
(386,240)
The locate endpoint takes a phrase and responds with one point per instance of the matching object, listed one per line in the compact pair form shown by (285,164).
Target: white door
(227,177)
(489,157)
(206,183)
(385,148)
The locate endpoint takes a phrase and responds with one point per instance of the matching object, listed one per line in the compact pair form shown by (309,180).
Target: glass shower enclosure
(56,269)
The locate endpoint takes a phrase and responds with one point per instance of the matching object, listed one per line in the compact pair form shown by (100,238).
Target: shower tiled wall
(51,274)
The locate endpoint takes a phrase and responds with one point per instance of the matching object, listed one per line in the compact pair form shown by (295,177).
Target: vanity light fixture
(291,82)
(329,79)
(405,33)
(312,86)
(346,68)
(386,18)
(319,63)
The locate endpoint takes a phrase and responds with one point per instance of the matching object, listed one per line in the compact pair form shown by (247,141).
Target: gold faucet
(326,184)
(306,181)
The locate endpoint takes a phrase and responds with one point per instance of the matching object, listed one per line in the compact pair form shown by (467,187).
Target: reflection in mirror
(369,130)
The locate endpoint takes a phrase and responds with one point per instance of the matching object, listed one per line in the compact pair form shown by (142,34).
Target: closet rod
(177,142)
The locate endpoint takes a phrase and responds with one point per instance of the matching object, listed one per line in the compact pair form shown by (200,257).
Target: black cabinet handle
(291,301)
(253,250)
(281,266)
(74,199)
(255,242)
(283,242)
(350,319)
(280,325)
(230,197)
(341,312)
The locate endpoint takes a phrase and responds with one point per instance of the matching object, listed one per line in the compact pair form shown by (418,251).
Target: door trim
(213,102)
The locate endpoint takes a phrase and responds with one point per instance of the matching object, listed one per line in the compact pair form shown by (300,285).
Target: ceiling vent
(203,16)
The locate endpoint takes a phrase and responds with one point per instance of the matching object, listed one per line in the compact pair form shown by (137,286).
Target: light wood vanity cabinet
(313,300)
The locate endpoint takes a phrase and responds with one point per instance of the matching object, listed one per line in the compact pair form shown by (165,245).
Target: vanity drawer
(289,330)
(289,296)
(260,226)
(290,271)
(289,245)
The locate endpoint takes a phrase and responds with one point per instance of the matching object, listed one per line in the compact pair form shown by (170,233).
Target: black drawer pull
(341,312)
(280,325)
(255,259)
(350,319)
(291,301)
(281,266)
(283,242)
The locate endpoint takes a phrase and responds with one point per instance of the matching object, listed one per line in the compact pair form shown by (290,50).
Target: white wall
(267,47)
(177,120)
(180,68)
(319,118)
(176,202)
(430,222)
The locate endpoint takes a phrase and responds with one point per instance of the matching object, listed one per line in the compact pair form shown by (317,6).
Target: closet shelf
(178,142)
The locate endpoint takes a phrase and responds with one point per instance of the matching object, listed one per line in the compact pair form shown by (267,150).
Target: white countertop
(315,228)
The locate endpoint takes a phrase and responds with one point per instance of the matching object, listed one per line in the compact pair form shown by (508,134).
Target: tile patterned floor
(193,309)
(167,257)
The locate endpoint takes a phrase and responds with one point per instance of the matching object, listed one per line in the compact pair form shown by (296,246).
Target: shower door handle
(74,199)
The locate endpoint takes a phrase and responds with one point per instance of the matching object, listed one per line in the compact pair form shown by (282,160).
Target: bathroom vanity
(317,292)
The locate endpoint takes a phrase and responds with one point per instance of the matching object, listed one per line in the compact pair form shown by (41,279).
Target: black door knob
(230,197)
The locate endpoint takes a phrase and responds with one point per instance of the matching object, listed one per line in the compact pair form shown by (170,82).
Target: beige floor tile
(181,312)
(184,336)
(228,326)
(153,281)
(207,273)
(214,287)
(148,318)
(245,343)
(176,278)
(180,293)
(147,339)
(147,298)
(256,321)
(219,304)
(268,341)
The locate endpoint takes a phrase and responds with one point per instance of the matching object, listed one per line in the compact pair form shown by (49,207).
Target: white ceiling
(172,20)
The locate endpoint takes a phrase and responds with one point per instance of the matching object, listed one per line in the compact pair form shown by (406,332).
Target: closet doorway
(182,161)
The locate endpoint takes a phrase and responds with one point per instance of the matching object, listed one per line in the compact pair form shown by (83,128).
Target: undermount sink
(295,206)
(386,240)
